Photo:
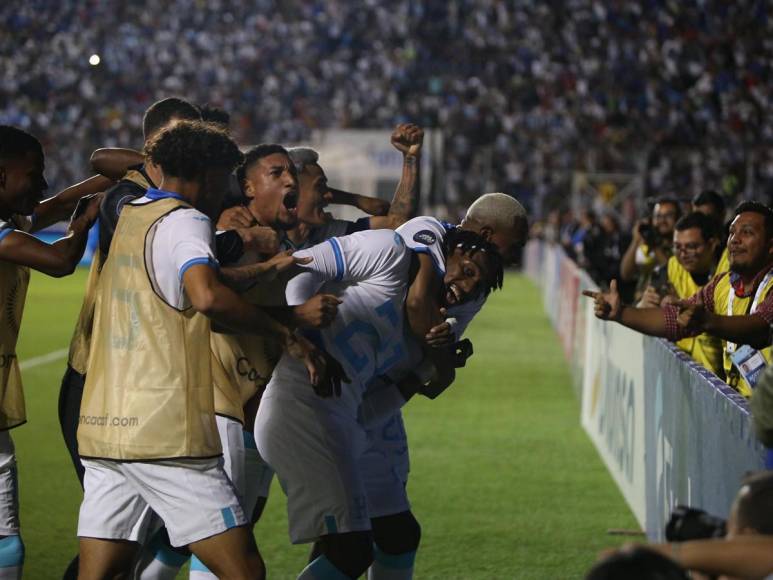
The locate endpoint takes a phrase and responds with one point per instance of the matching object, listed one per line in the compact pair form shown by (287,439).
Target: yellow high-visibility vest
(704,348)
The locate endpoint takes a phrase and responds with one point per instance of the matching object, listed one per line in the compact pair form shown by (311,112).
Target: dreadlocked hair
(471,243)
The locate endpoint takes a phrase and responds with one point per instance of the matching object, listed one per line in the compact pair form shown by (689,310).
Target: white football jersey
(368,271)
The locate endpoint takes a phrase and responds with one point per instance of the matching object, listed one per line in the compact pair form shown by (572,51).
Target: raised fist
(408,138)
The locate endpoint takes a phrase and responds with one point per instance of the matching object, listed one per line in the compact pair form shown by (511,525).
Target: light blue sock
(391,566)
(11,557)
(322,569)
(199,571)
(158,561)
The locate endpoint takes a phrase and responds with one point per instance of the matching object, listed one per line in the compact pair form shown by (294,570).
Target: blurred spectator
(524,92)
(651,243)
(604,249)
(752,511)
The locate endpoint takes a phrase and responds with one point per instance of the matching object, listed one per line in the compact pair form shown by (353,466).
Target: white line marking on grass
(43,359)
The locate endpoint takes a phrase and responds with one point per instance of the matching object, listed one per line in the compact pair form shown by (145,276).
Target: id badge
(749,362)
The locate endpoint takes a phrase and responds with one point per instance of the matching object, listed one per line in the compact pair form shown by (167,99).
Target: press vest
(81,338)
(741,306)
(148,391)
(704,348)
(14,281)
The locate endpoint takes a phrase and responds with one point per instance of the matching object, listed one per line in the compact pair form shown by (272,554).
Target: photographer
(651,243)
(690,268)
(740,548)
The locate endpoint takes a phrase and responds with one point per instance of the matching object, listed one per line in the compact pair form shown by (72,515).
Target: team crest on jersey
(425,237)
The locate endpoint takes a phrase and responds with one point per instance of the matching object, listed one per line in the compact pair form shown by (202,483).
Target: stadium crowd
(525,93)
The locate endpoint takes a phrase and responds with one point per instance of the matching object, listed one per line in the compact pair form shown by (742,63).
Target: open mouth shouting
(454,295)
(290,202)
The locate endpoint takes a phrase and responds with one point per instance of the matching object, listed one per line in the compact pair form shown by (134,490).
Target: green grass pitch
(503,480)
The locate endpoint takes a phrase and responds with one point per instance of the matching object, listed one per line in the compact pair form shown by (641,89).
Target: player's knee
(397,534)
(11,551)
(352,553)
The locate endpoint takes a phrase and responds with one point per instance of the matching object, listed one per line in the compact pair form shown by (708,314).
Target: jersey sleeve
(182,239)
(186,239)
(425,235)
(366,255)
(193,239)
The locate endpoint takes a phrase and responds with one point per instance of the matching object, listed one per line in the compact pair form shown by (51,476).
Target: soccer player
(243,363)
(501,220)
(21,189)
(147,433)
(132,185)
(316,225)
(314,444)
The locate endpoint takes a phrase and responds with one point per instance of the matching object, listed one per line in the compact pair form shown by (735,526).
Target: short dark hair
(669,199)
(637,564)
(216,115)
(760,208)
(711,197)
(15,143)
(255,154)
(189,149)
(161,112)
(755,506)
(696,219)
(471,243)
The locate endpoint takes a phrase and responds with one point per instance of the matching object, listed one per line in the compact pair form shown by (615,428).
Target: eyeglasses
(691,248)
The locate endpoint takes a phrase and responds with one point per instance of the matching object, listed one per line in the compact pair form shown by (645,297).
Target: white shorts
(250,475)
(314,445)
(9,487)
(384,466)
(194,498)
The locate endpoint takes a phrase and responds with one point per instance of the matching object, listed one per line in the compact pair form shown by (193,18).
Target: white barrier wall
(669,431)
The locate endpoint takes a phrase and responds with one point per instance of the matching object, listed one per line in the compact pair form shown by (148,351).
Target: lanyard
(731,346)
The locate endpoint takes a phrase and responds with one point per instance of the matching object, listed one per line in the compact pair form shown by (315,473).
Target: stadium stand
(525,92)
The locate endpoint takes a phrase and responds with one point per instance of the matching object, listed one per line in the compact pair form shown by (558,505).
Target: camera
(648,234)
(688,523)
(659,280)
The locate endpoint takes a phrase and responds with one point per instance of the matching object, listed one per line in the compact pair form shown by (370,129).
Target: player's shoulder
(424,230)
(369,239)
(186,217)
